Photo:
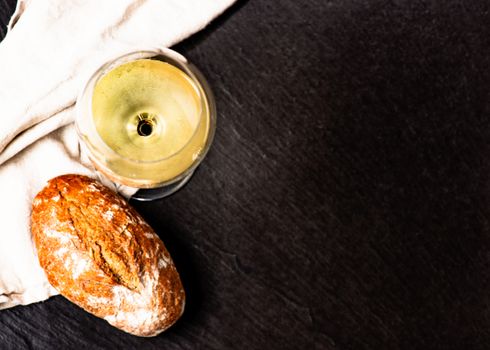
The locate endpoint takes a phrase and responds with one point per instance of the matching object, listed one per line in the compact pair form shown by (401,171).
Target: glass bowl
(146,120)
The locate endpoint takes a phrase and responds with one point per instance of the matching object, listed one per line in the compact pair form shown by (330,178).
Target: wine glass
(146,120)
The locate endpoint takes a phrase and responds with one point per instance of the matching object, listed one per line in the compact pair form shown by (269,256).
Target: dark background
(345,203)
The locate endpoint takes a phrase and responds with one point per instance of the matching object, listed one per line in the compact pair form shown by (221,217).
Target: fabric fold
(51,48)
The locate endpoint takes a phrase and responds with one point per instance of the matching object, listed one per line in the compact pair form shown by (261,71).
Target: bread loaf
(99,253)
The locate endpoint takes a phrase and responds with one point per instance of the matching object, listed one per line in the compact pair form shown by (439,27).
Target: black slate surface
(345,203)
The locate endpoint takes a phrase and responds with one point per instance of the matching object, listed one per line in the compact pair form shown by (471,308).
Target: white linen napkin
(50,49)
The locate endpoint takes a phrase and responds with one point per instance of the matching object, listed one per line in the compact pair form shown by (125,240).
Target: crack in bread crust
(98,239)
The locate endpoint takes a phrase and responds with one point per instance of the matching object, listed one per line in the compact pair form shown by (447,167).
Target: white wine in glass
(147,120)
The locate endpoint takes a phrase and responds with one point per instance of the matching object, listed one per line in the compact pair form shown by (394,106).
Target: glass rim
(206,98)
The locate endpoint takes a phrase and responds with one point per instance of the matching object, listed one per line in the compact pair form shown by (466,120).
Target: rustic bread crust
(99,253)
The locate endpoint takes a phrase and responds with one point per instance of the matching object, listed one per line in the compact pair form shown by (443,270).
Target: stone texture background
(345,203)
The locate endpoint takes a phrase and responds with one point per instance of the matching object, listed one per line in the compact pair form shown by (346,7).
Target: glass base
(151,194)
